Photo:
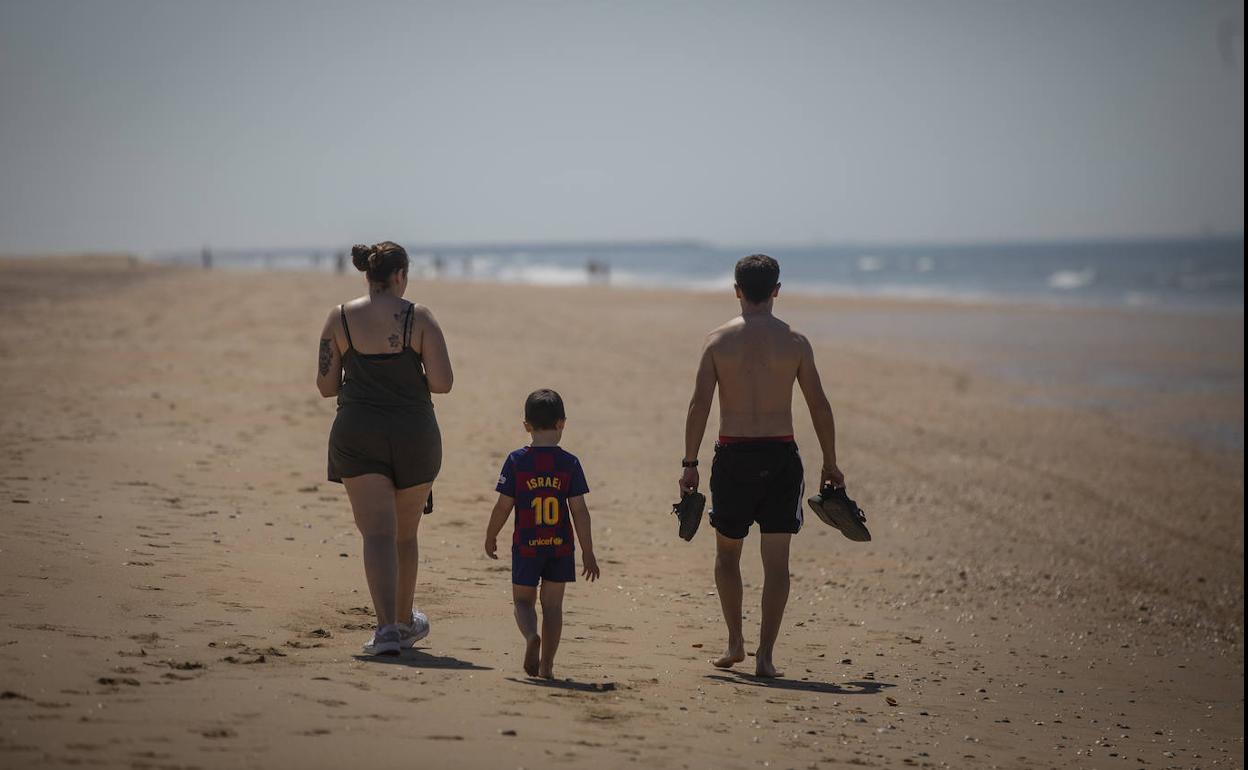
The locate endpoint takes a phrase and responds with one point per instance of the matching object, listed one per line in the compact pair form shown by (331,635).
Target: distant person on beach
(382,356)
(757,475)
(340,262)
(598,272)
(546,486)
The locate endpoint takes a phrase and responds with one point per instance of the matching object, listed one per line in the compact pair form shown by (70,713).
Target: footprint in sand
(180,665)
(177,677)
(115,682)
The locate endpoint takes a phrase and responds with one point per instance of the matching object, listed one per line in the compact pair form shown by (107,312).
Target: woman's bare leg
(372,502)
(410,506)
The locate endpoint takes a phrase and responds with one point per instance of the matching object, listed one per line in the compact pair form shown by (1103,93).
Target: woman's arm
(428,340)
(328,359)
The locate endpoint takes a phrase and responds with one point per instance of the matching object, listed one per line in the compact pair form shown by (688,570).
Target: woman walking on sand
(382,356)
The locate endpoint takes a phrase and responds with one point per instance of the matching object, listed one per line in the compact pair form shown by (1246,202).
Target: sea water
(1200,274)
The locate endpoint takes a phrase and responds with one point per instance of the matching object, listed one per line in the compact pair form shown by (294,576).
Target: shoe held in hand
(834,508)
(689,512)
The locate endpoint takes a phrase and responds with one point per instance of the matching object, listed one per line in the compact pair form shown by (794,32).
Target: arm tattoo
(326,357)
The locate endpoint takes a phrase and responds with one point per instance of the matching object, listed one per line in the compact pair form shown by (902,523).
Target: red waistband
(743,439)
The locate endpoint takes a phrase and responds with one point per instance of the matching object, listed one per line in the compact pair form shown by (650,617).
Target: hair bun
(379,261)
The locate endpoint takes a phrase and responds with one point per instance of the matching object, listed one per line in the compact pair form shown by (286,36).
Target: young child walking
(546,487)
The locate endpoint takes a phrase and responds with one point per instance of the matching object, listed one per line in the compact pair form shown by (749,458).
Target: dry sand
(1049,586)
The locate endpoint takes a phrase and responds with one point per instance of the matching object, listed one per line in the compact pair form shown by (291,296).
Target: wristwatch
(688,463)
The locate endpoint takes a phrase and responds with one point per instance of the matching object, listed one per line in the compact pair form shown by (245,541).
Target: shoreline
(907,296)
(1092,274)
(902,295)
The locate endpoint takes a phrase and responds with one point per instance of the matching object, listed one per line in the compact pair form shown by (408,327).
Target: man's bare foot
(532,654)
(734,654)
(764,668)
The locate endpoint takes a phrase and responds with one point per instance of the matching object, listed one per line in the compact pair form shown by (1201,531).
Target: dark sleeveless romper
(385,422)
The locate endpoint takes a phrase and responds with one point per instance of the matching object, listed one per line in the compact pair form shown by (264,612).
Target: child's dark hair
(379,261)
(543,409)
(757,276)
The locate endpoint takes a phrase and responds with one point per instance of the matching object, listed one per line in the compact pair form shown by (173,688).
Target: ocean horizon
(1178,274)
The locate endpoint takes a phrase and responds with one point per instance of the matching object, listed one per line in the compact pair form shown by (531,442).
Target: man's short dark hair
(543,409)
(757,276)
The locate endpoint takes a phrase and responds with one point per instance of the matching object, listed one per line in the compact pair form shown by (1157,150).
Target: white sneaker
(410,634)
(386,641)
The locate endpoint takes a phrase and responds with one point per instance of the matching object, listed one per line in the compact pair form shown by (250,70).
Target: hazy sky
(165,125)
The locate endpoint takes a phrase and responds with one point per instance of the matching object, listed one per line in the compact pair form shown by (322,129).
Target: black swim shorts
(756,481)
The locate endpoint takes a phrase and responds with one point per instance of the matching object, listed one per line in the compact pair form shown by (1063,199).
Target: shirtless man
(757,473)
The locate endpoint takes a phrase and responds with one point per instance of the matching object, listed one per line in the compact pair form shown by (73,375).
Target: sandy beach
(1056,579)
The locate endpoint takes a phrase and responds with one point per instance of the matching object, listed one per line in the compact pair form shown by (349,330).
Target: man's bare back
(756,360)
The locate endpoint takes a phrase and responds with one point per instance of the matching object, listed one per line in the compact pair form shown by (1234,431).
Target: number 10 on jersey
(545,511)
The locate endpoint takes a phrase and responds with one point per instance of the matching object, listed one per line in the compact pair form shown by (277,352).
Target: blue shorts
(525,570)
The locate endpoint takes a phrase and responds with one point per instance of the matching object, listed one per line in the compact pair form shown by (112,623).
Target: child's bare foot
(734,654)
(763,667)
(532,654)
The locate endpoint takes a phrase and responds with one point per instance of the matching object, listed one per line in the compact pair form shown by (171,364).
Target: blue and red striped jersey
(541,479)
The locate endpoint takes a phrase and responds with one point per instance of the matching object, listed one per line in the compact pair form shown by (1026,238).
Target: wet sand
(1052,583)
